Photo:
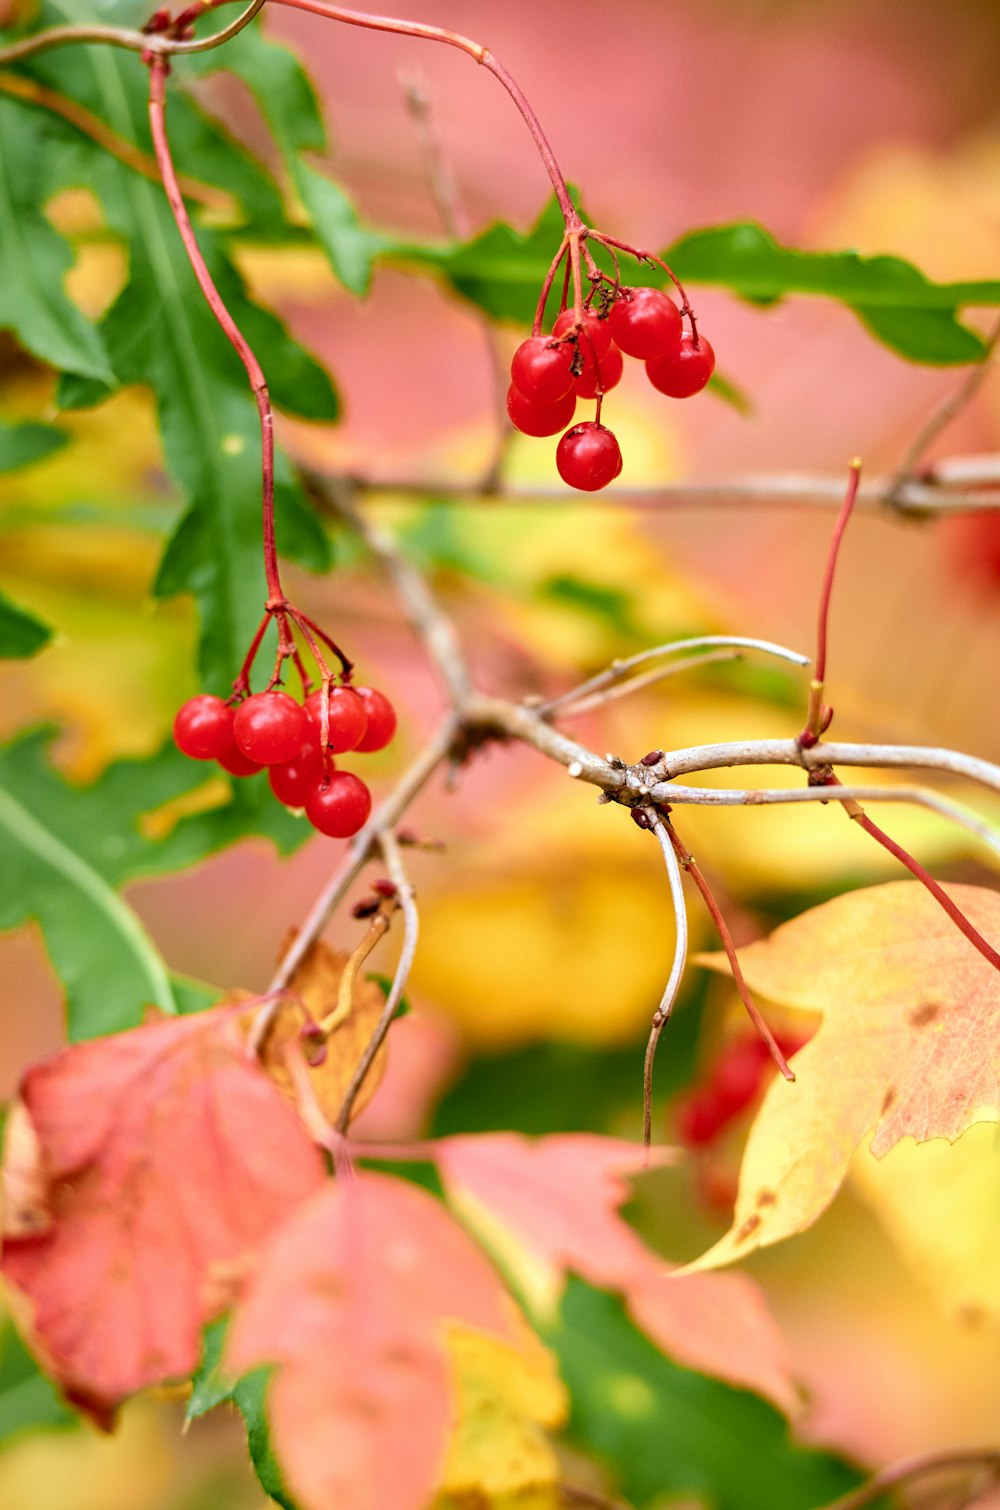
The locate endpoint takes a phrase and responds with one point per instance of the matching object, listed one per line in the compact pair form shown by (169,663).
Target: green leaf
(65,850)
(21,634)
(289,104)
(28,1400)
(902,307)
(161,332)
(665,1430)
(501,270)
(34,258)
(20,445)
(249,1394)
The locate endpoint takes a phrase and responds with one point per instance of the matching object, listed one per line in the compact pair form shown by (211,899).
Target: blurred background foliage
(868,125)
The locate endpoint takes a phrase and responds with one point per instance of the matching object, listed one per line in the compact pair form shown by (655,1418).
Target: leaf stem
(818,716)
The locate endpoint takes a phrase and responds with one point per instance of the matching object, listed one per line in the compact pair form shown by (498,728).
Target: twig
(694,796)
(985,1460)
(610,694)
(119,36)
(620,669)
(662,1014)
(942,417)
(818,716)
(687,860)
(411,927)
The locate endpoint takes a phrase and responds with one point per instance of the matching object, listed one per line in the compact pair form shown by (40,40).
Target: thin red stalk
(688,862)
(481,55)
(242,682)
(539,320)
(623,246)
(158,69)
(304,621)
(826,592)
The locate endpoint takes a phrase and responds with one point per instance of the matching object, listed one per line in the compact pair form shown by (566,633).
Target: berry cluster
(296,742)
(584,360)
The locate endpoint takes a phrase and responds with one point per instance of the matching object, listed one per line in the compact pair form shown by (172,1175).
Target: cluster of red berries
(549,374)
(296,742)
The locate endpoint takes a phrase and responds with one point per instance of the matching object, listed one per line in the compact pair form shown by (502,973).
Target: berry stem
(612,241)
(479,54)
(818,717)
(722,928)
(159,67)
(539,320)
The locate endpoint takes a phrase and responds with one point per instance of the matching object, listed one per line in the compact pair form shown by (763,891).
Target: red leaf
(558,1197)
(351,1300)
(169,1156)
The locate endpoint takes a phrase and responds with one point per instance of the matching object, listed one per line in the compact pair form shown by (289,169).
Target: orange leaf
(907,1047)
(168,1157)
(558,1199)
(351,1301)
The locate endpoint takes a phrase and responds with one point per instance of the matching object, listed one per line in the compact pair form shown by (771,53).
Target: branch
(411,927)
(662,1014)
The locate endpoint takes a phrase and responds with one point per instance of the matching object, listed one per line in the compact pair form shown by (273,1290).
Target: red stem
(481,55)
(688,862)
(843,518)
(158,69)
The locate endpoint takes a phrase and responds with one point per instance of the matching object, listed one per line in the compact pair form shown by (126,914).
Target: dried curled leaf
(316,984)
(166,1158)
(907,1046)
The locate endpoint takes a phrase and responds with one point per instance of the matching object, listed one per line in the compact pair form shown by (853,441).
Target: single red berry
(347,718)
(203,727)
(700,1119)
(236,763)
(270,727)
(381,719)
(594,338)
(738,1074)
(294,782)
(340,806)
(645,322)
(534,418)
(542,371)
(588,457)
(609,367)
(683,372)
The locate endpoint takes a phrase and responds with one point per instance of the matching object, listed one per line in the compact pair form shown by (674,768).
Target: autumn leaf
(351,1301)
(167,1157)
(550,1207)
(907,1046)
(316,986)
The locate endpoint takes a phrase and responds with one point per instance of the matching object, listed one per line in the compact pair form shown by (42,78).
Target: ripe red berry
(610,368)
(542,371)
(645,322)
(203,727)
(294,783)
(381,719)
(534,418)
(595,337)
(684,371)
(270,727)
(340,807)
(588,457)
(347,719)
(236,763)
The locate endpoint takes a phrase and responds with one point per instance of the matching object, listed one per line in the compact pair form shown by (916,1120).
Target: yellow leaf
(940,1204)
(507,1397)
(907,1046)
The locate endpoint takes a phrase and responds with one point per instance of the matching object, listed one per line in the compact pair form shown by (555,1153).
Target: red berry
(738,1074)
(533,418)
(594,338)
(270,727)
(294,782)
(347,718)
(381,719)
(700,1119)
(610,367)
(588,457)
(645,322)
(236,763)
(541,371)
(340,807)
(203,727)
(684,371)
